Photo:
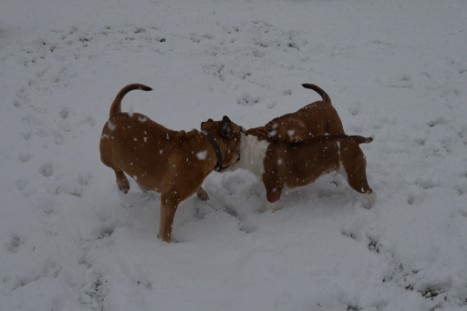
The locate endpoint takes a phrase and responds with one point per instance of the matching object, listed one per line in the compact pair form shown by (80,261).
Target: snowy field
(396,70)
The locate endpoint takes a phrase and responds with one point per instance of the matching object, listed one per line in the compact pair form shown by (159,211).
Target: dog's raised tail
(318,90)
(115,108)
(361,140)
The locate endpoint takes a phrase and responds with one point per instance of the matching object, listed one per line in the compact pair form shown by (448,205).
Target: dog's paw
(124,188)
(167,240)
(122,182)
(269,207)
(202,194)
(370,200)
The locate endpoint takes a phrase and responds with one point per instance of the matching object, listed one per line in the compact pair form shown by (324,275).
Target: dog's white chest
(253,152)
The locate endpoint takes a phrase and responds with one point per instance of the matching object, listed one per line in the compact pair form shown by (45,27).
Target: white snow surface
(396,70)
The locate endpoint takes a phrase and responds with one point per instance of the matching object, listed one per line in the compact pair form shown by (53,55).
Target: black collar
(217,150)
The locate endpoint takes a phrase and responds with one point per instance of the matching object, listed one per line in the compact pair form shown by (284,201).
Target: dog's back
(316,119)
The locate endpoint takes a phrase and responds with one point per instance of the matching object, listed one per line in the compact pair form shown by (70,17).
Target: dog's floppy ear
(203,124)
(225,128)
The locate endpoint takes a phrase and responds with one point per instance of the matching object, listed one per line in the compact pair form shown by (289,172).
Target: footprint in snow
(46,169)
(24,157)
(21,184)
(248,100)
(415,198)
(14,243)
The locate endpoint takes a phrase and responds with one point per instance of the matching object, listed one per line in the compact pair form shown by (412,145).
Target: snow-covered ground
(395,70)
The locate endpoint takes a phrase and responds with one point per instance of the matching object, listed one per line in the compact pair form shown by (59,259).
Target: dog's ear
(226,119)
(203,124)
(225,128)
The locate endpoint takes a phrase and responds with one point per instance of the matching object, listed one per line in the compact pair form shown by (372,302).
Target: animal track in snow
(248,100)
(14,243)
(414,198)
(215,69)
(414,279)
(24,157)
(73,44)
(105,232)
(46,169)
(254,40)
(22,183)
(94,292)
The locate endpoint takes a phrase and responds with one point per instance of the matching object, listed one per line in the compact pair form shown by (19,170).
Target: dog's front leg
(202,194)
(168,208)
(273,185)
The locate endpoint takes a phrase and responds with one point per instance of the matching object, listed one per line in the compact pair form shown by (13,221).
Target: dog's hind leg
(355,172)
(122,181)
(169,205)
(106,151)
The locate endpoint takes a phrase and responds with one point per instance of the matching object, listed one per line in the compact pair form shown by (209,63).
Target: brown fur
(315,119)
(294,165)
(164,160)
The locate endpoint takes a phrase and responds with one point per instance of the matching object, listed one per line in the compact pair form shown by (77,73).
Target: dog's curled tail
(360,139)
(115,108)
(318,90)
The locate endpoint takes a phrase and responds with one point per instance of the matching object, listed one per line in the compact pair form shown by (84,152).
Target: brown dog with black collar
(174,163)
(283,164)
(293,150)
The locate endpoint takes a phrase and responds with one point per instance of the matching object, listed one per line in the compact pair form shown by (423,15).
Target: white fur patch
(202,155)
(111,126)
(252,154)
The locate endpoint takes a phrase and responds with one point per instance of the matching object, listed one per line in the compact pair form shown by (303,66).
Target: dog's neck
(217,150)
(253,150)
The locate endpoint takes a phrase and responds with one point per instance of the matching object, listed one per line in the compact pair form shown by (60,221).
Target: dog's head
(225,138)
